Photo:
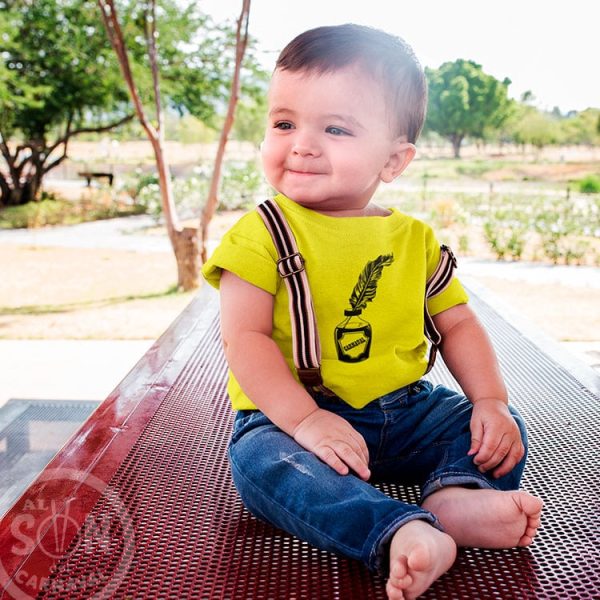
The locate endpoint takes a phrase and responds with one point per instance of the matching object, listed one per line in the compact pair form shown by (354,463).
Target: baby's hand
(495,437)
(335,442)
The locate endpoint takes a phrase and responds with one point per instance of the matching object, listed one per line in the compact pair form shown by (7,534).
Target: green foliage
(190,130)
(241,184)
(582,127)
(242,181)
(506,231)
(534,127)
(59,74)
(60,64)
(51,210)
(189,195)
(589,185)
(250,120)
(465,101)
(562,229)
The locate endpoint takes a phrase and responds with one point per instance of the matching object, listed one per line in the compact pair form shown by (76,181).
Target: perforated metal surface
(170,524)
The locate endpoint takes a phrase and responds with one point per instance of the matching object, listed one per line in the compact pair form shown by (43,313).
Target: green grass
(56,211)
(44,309)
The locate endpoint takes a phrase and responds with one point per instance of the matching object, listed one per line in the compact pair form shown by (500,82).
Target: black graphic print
(353,335)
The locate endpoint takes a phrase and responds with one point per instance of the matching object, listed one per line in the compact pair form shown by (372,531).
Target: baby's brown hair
(386,58)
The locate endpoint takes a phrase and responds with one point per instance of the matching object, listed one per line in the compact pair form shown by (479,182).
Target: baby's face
(328,141)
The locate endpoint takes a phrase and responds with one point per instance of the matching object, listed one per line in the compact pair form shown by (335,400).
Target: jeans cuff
(378,561)
(458,478)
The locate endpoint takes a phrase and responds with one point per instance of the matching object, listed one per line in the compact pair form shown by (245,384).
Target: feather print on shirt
(353,336)
(366,288)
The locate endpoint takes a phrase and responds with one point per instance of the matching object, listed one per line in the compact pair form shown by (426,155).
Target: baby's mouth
(302,172)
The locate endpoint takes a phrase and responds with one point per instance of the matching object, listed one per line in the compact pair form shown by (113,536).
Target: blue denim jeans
(417,435)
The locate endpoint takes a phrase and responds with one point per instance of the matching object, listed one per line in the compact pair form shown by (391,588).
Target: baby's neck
(370,210)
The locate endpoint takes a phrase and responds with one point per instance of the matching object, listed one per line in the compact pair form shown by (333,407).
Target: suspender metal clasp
(289,265)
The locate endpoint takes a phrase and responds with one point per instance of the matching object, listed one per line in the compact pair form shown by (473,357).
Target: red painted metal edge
(52,510)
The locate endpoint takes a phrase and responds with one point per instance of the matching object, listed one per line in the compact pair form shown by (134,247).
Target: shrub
(589,185)
(52,210)
(241,182)
(505,230)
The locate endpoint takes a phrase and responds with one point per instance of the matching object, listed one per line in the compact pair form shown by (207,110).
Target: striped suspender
(436,284)
(305,337)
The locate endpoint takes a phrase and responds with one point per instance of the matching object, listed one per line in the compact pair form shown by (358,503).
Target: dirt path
(54,292)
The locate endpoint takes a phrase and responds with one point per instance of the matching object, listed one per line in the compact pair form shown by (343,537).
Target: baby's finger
(484,458)
(476,437)
(329,457)
(359,440)
(517,452)
(354,460)
(500,454)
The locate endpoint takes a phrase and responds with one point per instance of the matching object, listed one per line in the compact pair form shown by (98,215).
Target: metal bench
(89,175)
(140,503)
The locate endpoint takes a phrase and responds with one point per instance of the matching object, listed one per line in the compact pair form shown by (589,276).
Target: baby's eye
(337,130)
(283,125)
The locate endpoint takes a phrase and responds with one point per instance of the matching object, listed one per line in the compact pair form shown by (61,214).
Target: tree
(241,38)
(465,101)
(251,118)
(583,127)
(531,126)
(56,81)
(184,92)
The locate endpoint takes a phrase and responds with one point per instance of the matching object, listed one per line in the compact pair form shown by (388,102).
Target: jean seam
(382,436)
(391,529)
(350,552)
(467,477)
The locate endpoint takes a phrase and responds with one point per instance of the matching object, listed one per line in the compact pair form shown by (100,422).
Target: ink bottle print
(353,337)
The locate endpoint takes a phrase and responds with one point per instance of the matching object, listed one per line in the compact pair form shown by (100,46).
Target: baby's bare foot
(419,554)
(486,518)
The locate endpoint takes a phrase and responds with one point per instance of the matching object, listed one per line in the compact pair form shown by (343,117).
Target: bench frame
(151,462)
(89,175)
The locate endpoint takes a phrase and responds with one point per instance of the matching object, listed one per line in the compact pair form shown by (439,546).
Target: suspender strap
(305,337)
(436,284)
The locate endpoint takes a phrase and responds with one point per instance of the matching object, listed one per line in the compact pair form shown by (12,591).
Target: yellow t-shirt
(367,277)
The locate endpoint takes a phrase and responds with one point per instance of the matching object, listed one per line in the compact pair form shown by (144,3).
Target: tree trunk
(183,240)
(21,189)
(187,254)
(456,140)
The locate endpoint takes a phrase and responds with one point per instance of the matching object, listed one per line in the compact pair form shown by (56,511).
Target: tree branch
(241,41)
(99,129)
(115,35)
(152,55)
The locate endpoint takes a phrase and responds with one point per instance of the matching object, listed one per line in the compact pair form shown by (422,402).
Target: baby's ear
(401,154)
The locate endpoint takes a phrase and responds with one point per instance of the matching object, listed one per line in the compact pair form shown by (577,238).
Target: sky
(551,47)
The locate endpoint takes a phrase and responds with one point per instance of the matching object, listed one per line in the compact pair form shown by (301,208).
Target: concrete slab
(65,369)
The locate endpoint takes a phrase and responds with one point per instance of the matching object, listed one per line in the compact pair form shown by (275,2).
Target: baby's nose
(305,145)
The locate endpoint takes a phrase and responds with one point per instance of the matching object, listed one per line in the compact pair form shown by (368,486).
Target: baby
(346,105)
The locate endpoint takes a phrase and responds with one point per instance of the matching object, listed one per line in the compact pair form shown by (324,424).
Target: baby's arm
(496,440)
(263,374)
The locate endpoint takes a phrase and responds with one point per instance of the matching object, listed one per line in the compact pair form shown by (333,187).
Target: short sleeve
(454,294)
(247,251)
